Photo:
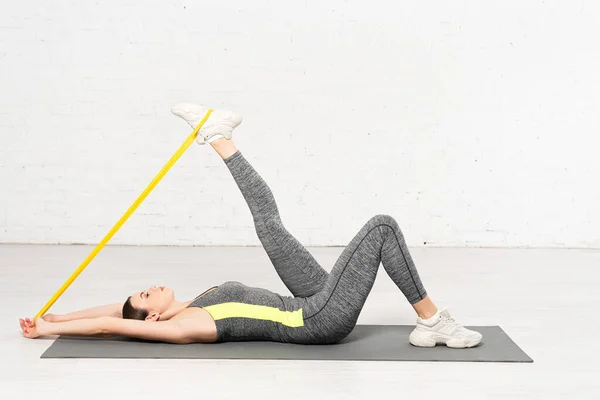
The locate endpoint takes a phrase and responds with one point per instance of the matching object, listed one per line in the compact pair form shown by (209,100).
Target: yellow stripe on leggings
(293,319)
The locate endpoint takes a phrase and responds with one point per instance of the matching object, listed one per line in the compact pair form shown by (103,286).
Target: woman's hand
(32,329)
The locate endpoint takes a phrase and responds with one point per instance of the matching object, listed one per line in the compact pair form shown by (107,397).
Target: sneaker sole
(430,339)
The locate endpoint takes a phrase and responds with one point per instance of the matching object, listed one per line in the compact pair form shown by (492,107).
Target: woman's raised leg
(296,267)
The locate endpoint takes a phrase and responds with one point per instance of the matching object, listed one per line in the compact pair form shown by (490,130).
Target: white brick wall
(473,123)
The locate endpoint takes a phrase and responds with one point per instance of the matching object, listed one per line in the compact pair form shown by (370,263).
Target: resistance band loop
(125,216)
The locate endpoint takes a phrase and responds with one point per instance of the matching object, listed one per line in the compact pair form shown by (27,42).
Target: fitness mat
(365,343)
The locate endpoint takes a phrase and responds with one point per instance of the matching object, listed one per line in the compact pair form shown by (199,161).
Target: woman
(324,307)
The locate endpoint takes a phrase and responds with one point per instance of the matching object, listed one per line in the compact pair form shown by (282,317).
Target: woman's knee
(383,219)
(388,223)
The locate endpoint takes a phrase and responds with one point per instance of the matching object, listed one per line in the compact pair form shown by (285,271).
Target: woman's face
(156,299)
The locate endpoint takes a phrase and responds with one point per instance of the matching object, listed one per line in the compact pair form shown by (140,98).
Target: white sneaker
(443,329)
(220,124)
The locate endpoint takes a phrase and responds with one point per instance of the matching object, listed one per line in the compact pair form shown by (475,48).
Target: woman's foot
(220,124)
(443,329)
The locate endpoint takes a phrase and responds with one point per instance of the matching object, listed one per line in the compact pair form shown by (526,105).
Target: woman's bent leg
(332,313)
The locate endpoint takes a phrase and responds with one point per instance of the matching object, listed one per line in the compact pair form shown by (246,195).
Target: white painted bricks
(472,124)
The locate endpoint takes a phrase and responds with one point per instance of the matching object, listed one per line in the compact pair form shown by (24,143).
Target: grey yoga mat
(365,343)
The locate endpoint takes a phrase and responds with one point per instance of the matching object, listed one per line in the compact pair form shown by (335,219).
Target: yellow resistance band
(125,216)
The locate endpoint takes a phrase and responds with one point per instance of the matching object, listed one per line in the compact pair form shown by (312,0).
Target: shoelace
(453,322)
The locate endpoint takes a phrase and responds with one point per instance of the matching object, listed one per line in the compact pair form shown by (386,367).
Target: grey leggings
(333,301)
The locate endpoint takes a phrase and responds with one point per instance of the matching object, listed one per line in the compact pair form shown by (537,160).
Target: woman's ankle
(224,147)
(425,308)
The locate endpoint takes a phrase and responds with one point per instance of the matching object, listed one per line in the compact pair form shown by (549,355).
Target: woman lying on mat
(325,306)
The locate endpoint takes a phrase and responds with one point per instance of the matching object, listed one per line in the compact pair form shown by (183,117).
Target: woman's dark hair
(130,312)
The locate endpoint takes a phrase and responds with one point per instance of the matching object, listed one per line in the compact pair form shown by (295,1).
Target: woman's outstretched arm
(109,310)
(173,331)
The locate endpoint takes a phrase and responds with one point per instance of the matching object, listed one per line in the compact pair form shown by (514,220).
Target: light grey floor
(546,300)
